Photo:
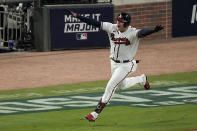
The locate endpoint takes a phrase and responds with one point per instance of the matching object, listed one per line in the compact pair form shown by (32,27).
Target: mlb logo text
(82,36)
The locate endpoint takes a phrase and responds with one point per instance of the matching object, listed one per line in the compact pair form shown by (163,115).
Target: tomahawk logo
(194,15)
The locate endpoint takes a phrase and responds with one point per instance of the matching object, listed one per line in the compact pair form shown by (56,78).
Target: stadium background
(172,50)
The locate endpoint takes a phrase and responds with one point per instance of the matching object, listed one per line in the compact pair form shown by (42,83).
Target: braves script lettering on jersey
(120,40)
(123,44)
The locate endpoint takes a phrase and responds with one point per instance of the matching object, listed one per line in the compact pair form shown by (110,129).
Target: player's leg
(132,81)
(119,74)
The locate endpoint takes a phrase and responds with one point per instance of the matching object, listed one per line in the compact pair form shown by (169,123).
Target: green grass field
(113,118)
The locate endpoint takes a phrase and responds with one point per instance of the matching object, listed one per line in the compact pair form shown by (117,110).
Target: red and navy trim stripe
(117,51)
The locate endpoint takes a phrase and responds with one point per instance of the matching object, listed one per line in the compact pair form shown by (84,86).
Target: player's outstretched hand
(72,13)
(158,28)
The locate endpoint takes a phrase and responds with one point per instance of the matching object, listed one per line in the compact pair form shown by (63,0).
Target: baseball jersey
(123,45)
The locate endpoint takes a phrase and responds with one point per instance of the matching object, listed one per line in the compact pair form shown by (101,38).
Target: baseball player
(124,41)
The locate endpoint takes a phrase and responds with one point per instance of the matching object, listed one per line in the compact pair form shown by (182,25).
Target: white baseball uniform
(123,47)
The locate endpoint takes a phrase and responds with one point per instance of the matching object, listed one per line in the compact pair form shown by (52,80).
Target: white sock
(94,114)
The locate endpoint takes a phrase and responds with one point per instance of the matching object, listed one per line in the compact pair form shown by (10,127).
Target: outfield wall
(56,29)
(179,18)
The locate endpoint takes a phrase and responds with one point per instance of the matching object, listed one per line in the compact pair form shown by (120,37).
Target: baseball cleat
(91,117)
(146,85)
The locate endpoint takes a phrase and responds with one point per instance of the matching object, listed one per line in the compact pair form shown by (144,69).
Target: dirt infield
(35,69)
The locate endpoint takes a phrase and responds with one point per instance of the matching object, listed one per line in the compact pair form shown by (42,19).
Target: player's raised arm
(146,31)
(85,19)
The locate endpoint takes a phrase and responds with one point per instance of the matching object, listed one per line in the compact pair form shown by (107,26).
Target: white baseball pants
(119,79)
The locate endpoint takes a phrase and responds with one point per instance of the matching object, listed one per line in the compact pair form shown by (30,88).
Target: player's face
(121,27)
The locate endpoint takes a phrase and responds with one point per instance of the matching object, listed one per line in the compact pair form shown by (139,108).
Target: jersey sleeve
(134,35)
(135,32)
(106,26)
